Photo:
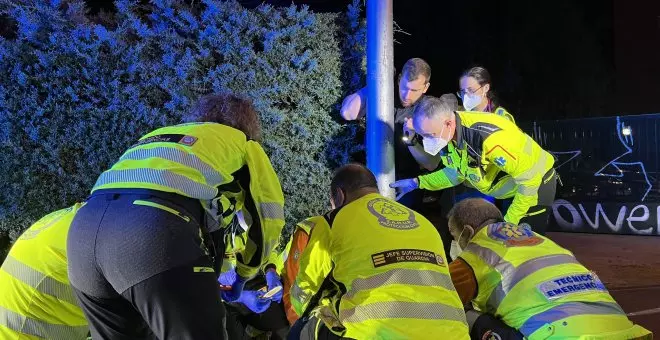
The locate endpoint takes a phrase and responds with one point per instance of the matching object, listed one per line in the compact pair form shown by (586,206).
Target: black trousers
(139,270)
(312,329)
(489,327)
(272,320)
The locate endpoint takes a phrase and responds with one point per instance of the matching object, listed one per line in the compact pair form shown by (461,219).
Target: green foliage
(74,94)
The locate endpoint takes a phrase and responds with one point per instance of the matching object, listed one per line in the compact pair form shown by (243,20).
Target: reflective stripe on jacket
(487,144)
(217,165)
(384,268)
(538,287)
(37,300)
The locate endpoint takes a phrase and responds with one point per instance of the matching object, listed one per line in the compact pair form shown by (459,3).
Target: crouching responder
(381,264)
(36,299)
(141,251)
(291,268)
(528,282)
(254,313)
(492,154)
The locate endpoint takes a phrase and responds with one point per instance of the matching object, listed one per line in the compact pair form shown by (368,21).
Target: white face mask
(471,101)
(432,145)
(456,249)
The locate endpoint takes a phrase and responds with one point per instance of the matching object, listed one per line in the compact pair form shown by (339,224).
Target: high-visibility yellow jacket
(235,244)
(487,144)
(297,245)
(450,157)
(539,288)
(217,165)
(500,111)
(384,268)
(36,300)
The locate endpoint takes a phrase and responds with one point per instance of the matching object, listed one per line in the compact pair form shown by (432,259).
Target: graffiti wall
(609,173)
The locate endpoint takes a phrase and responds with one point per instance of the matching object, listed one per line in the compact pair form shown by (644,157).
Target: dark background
(548,59)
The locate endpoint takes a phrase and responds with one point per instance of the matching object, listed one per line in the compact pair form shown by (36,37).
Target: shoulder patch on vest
(168,138)
(392,215)
(512,235)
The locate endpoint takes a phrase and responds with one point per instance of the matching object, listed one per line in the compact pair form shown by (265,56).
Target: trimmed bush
(75,92)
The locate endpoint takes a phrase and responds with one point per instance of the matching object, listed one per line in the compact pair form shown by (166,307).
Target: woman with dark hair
(477,95)
(142,249)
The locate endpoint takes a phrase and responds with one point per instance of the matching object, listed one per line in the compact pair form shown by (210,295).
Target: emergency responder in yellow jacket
(529,282)
(297,246)
(251,315)
(36,299)
(141,251)
(492,154)
(381,263)
(477,95)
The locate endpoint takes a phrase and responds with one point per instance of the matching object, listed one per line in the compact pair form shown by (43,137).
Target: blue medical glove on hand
(404,186)
(227,278)
(273,280)
(252,300)
(236,282)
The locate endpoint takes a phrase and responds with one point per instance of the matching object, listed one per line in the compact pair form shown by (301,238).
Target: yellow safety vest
(451,159)
(486,145)
(37,301)
(389,269)
(235,244)
(539,288)
(500,111)
(213,163)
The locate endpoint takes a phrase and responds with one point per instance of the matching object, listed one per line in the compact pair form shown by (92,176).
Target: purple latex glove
(252,300)
(236,282)
(273,280)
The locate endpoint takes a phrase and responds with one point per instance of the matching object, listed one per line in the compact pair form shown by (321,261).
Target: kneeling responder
(291,268)
(492,154)
(36,299)
(529,282)
(253,313)
(382,265)
(141,251)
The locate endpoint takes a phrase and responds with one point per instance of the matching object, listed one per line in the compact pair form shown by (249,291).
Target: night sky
(548,59)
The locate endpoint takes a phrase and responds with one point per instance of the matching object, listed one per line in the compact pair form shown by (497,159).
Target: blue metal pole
(380,93)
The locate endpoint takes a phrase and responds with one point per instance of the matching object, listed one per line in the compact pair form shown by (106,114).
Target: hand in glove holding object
(233,280)
(404,186)
(254,301)
(273,281)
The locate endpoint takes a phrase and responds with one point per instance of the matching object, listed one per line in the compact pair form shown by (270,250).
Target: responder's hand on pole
(254,301)
(404,186)
(273,281)
(235,281)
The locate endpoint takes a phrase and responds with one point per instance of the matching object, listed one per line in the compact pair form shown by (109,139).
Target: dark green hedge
(76,91)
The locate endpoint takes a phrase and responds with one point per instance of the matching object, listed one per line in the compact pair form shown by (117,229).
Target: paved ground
(628,265)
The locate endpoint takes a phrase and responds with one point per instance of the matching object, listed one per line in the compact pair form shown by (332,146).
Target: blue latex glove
(227,278)
(404,186)
(273,280)
(236,282)
(252,300)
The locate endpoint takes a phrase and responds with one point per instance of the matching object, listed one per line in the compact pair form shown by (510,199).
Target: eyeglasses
(462,93)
